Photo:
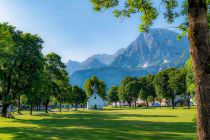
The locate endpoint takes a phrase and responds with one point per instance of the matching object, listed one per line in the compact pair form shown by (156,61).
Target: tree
(100,86)
(78,96)
(196,25)
(83,98)
(46,87)
(144,96)
(58,76)
(150,99)
(20,62)
(69,98)
(113,95)
(33,94)
(123,96)
(162,85)
(146,83)
(31,65)
(132,91)
(190,81)
(9,38)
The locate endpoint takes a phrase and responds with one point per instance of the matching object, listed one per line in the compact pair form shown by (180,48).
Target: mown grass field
(110,124)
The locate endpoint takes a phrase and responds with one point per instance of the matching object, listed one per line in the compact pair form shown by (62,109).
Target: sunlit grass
(114,123)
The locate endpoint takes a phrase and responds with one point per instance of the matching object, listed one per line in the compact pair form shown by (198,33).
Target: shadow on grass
(98,125)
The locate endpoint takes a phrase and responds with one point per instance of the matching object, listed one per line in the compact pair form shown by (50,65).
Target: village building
(95,101)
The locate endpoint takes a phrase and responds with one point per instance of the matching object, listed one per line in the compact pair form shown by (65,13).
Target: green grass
(110,124)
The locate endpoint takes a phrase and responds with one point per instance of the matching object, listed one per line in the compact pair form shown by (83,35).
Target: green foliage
(177,81)
(125,92)
(150,99)
(190,81)
(148,12)
(21,62)
(147,84)
(100,86)
(132,91)
(143,95)
(162,86)
(113,94)
(78,96)
(58,77)
(25,72)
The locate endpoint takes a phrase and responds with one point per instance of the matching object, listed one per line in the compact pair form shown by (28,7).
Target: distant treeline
(167,84)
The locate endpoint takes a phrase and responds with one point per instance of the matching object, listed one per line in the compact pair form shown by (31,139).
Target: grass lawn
(110,124)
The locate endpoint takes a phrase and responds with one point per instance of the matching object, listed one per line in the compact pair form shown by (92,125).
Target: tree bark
(147,103)
(46,105)
(160,103)
(173,103)
(60,108)
(129,103)
(76,106)
(31,108)
(19,104)
(68,107)
(198,35)
(4,110)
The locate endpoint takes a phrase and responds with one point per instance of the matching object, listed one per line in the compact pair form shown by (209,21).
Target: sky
(71,28)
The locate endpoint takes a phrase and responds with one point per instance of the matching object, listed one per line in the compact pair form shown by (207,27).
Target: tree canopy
(100,86)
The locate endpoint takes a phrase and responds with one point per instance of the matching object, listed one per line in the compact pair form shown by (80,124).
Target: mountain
(148,54)
(93,62)
(157,48)
(110,75)
(72,66)
(103,58)
(90,63)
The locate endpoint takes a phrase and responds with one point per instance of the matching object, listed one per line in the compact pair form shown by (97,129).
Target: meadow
(108,124)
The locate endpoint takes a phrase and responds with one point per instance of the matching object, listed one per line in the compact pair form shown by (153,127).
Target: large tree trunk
(173,103)
(76,106)
(68,107)
(31,108)
(60,108)
(200,51)
(147,103)
(129,103)
(4,110)
(46,105)
(160,103)
(19,105)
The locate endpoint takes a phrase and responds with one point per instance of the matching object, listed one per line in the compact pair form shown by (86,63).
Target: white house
(95,102)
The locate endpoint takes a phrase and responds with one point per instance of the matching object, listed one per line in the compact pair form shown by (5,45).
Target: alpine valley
(148,54)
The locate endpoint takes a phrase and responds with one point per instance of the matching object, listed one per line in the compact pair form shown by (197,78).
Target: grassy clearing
(110,124)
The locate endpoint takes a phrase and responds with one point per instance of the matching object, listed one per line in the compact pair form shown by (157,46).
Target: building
(95,102)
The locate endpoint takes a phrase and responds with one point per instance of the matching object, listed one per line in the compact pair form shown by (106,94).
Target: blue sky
(71,28)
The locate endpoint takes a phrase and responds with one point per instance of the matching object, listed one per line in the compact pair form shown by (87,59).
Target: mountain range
(148,54)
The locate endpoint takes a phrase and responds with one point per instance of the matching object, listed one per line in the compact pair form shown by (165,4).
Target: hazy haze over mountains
(149,53)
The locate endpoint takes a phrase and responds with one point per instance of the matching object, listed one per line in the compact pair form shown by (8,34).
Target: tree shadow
(98,125)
